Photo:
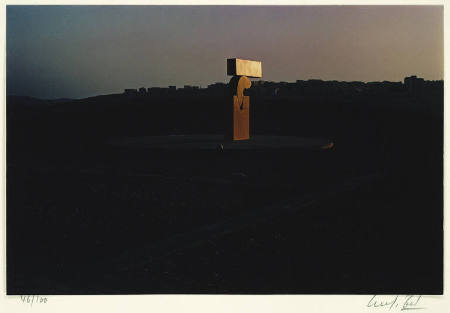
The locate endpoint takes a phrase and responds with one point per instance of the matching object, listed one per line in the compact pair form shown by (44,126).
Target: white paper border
(211,303)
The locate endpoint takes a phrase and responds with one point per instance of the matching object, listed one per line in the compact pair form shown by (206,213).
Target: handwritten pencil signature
(402,303)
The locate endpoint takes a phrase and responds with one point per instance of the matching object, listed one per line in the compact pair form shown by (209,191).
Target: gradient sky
(80,51)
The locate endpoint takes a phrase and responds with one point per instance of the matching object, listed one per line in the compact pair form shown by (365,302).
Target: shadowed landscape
(94,208)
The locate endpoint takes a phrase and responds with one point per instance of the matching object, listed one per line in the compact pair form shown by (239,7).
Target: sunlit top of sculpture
(240,67)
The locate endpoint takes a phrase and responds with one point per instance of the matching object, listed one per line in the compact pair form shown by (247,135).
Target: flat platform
(218,142)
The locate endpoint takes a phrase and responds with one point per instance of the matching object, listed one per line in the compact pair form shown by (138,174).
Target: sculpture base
(219,142)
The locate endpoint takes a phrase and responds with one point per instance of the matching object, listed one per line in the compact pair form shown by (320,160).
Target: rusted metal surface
(240,118)
(240,67)
(237,86)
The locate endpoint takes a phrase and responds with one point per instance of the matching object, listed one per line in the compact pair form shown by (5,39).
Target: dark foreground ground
(362,217)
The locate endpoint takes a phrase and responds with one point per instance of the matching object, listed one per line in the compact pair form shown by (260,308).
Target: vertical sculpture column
(238,115)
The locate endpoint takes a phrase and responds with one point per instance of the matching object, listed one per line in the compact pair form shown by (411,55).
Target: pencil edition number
(33,300)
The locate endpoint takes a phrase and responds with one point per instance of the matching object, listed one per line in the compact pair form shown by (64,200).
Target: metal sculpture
(238,124)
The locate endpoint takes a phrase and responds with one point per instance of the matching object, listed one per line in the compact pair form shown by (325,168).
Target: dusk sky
(81,51)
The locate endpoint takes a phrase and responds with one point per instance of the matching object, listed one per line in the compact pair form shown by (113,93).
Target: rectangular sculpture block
(241,118)
(239,67)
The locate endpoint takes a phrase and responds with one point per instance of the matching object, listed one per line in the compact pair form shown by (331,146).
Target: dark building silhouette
(130,91)
(313,87)
(158,91)
(414,85)
(217,89)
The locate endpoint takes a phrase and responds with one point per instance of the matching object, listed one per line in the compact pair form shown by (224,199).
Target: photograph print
(224,149)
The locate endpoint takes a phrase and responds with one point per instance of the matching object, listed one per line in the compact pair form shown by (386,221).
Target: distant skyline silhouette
(81,51)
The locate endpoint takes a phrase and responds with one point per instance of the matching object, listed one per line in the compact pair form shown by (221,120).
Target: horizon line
(219,82)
